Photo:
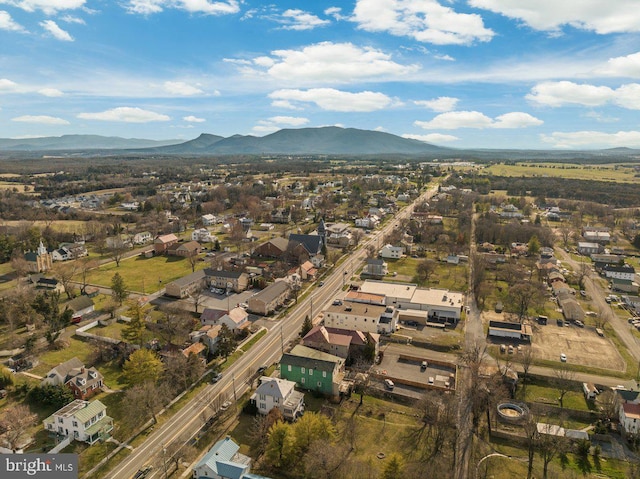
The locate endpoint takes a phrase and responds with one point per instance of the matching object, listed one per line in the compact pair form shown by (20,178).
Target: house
(198,349)
(308,271)
(281,394)
(391,252)
(208,220)
(338,234)
(81,420)
(347,344)
(629,416)
(184,250)
(596,235)
(223,461)
(236,319)
(624,286)
(208,335)
(602,260)
(269,299)
(281,215)
(369,222)
(202,235)
(81,305)
(624,272)
(375,268)
(585,248)
(183,287)
(40,260)
(69,251)
(313,370)
(369,318)
(50,284)
(143,237)
(230,280)
(161,243)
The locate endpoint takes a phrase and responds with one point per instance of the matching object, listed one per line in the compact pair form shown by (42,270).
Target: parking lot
(222,301)
(403,365)
(581,346)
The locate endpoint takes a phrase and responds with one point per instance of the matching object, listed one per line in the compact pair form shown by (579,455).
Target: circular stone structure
(511,412)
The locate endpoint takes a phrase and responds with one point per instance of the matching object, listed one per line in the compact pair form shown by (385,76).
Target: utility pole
(233,382)
(164,460)
(281,339)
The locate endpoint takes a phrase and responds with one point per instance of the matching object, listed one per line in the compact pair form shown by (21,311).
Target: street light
(493,454)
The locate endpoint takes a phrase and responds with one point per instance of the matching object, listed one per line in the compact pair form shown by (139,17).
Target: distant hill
(328,140)
(79,142)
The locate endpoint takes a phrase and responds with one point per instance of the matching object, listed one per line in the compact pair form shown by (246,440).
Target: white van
(388,383)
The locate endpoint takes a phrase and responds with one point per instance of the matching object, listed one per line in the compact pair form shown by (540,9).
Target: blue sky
(542,74)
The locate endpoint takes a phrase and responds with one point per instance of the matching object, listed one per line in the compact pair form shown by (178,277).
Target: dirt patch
(581,345)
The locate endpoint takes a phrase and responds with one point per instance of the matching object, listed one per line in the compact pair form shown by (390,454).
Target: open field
(614,173)
(62,226)
(8,185)
(145,274)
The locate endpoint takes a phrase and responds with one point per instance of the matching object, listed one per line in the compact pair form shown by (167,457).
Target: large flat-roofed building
(441,305)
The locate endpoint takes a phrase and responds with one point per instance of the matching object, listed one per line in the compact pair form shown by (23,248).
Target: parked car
(76,318)
(388,384)
(423,366)
(431,381)
(262,369)
(337,302)
(579,323)
(563,357)
(216,377)
(583,293)
(225,405)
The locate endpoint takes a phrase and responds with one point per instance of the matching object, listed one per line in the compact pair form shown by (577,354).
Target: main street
(186,422)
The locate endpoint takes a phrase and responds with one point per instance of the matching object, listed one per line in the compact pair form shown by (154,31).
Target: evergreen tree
(134,331)
(118,288)
(143,365)
(307,326)
(226,341)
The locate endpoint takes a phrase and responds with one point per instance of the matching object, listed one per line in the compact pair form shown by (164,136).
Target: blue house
(223,461)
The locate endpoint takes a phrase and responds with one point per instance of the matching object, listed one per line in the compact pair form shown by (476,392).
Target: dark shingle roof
(312,243)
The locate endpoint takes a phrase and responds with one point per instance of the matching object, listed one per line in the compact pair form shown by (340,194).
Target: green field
(614,173)
(144,274)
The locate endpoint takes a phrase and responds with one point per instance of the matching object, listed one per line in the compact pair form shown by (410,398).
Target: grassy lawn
(253,340)
(549,395)
(89,455)
(446,276)
(145,274)
(50,359)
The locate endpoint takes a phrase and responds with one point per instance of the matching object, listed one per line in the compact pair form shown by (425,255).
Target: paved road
(189,420)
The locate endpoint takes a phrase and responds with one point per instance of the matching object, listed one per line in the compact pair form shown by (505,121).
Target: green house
(313,370)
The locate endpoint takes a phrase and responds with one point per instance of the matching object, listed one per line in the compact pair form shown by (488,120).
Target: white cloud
(8,86)
(207,7)
(474,119)
(516,119)
(627,66)
(556,94)
(425,21)
(7,23)
(193,119)
(593,139)
(599,117)
(55,31)
(125,114)
(335,12)
(42,119)
(440,104)
(72,19)
(289,120)
(335,63)
(275,123)
(294,19)
(50,7)
(600,16)
(334,100)
(446,58)
(432,137)
(50,92)
(181,88)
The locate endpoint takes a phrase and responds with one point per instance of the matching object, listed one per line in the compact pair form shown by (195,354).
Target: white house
(587,249)
(223,461)
(391,252)
(202,235)
(369,318)
(236,319)
(368,222)
(624,272)
(142,237)
(81,420)
(629,416)
(281,394)
(208,220)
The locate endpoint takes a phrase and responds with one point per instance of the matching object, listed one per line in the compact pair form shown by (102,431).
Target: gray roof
(272,291)
(212,273)
(309,358)
(80,303)
(191,278)
(312,243)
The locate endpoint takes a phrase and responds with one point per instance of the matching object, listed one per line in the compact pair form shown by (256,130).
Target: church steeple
(41,249)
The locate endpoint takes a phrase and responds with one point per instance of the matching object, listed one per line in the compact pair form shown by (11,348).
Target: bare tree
(563,379)
(197,296)
(174,325)
(15,424)
(86,265)
(425,269)
(608,404)
(64,272)
(526,362)
(566,233)
(149,399)
(549,446)
(117,250)
(19,264)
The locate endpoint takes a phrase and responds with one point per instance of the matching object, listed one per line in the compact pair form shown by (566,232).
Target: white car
(225,405)
(563,357)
